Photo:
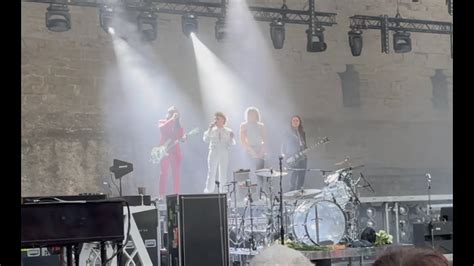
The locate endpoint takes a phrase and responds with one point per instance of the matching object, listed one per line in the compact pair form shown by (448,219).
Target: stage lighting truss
(308,17)
(386,24)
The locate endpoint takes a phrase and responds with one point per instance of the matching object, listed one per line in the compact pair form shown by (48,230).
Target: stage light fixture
(277,33)
(105,18)
(315,40)
(147,25)
(355,42)
(371,223)
(58,18)
(189,23)
(371,212)
(220,29)
(403,210)
(401,42)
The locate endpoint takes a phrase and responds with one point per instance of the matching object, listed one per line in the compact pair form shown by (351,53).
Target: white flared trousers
(217,162)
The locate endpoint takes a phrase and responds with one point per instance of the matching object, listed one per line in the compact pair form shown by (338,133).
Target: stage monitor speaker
(446,213)
(197,230)
(147,223)
(442,236)
(41,257)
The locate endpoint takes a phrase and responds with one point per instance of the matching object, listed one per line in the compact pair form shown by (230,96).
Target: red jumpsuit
(169,130)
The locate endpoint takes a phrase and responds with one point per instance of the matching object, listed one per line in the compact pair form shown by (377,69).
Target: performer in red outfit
(171,130)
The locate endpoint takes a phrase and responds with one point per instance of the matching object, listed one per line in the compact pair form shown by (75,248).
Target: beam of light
(138,94)
(220,88)
(250,53)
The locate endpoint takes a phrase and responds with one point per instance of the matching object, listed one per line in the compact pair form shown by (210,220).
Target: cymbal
(347,160)
(352,168)
(269,173)
(302,193)
(247,185)
(309,170)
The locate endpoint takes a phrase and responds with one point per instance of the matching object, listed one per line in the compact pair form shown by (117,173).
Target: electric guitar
(292,160)
(160,152)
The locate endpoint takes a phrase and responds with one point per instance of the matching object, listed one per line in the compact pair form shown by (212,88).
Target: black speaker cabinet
(442,236)
(197,230)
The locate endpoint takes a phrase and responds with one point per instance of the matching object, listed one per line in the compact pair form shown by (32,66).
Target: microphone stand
(221,227)
(282,229)
(430,225)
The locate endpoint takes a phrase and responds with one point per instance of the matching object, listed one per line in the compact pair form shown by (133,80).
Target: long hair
(300,127)
(252,109)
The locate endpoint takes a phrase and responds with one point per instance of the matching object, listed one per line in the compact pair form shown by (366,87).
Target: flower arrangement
(303,247)
(382,238)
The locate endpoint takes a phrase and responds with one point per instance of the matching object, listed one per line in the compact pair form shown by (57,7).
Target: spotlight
(401,42)
(355,42)
(189,23)
(371,224)
(403,223)
(220,29)
(371,212)
(58,18)
(315,40)
(105,18)
(277,33)
(147,25)
(403,210)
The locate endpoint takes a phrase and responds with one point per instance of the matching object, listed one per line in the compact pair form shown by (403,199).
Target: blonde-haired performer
(253,137)
(220,139)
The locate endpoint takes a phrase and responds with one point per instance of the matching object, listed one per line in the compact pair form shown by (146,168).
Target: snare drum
(329,228)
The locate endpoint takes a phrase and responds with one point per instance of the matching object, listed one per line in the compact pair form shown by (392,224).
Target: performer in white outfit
(220,139)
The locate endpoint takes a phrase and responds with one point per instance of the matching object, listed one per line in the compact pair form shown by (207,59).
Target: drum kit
(310,216)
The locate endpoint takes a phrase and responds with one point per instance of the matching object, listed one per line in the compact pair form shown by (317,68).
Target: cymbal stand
(233,212)
(271,223)
(282,228)
(252,239)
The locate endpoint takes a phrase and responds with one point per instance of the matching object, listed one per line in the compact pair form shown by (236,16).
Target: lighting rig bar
(208,9)
(292,16)
(386,24)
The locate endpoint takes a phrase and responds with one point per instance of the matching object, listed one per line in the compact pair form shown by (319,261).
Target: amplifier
(147,223)
(62,223)
(66,198)
(442,236)
(197,230)
(41,257)
(138,200)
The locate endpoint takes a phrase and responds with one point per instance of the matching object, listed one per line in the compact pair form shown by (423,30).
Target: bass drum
(329,228)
